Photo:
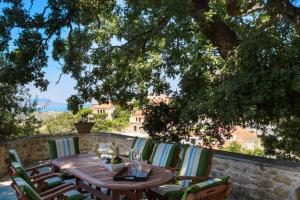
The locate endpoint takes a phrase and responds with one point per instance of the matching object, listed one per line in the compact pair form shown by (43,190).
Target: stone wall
(253,177)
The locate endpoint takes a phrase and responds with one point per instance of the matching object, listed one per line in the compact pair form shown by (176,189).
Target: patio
(252,177)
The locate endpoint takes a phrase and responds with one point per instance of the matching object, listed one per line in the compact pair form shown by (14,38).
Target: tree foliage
(238,148)
(119,121)
(237,62)
(59,124)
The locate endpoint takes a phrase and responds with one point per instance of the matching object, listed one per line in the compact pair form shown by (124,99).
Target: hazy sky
(61,91)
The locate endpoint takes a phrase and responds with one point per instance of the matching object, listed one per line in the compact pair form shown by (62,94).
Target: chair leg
(108,192)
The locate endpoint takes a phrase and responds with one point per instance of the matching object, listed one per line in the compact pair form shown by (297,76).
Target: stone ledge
(262,161)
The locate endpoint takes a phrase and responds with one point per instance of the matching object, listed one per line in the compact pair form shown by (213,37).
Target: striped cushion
(14,157)
(63,147)
(143,146)
(194,163)
(169,191)
(204,185)
(164,155)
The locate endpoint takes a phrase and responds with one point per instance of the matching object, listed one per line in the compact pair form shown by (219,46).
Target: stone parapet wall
(253,177)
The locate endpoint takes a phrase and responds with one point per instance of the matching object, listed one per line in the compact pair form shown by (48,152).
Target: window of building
(139,119)
(134,128)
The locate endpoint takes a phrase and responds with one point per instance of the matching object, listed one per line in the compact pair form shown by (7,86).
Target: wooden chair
(215,189)
(144,146)
(193,168)
(61,148)
(25,192)
(165,155)
(40,182)
(14,157)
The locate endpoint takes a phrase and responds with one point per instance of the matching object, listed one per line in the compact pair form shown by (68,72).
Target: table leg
(77,184)
(115,195)
(92,196)
(98,188)
(138,194)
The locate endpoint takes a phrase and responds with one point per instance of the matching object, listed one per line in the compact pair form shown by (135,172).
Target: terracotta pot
(84,127)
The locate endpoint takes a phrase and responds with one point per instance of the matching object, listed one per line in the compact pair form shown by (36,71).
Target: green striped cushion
(169,191)
(63,147)
(143,146)
(26,189)
(14,157)
(204,185)
(194,163)
(164,155)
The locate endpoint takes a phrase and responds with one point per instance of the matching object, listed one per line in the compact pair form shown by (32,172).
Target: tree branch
(216,30)
(287,10)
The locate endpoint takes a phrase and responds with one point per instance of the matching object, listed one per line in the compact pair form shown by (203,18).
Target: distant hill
(44,105)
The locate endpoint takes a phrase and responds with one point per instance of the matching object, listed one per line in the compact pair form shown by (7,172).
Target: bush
(238,148)
(61,123)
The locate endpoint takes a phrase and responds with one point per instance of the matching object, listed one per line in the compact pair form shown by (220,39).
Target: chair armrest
(59,193)
(35,170)
(173,169)
(41,179)
(38,167)
(55,189)
(229,188)
(194,179)
(40,175)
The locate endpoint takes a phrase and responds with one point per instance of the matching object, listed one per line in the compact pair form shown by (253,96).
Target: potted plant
(84,125)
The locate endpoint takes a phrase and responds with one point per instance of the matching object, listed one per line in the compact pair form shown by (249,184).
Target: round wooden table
(89,172)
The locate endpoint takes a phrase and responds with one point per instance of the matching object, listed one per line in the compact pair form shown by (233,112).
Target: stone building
(136,120)
(106,108)
(137,116)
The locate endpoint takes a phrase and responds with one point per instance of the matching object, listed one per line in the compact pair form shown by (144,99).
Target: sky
(60,91)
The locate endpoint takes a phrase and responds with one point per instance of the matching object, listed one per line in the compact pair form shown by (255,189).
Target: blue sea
(53,108)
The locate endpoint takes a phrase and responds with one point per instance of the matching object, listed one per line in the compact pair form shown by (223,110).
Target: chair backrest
(196,161)
(143,146)
(63,147)
(23,190)
(16,170)
(165,155)
(214,189)
(14,157)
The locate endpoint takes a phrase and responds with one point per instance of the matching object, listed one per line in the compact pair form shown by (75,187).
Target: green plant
(238,148)
(82,115)
(61,123)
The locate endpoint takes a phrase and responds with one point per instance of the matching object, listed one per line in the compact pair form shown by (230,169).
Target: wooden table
(88,171)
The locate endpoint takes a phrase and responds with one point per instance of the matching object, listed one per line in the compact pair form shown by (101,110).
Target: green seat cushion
(26,189)
(204,185)
(74,195)
(53,182)
(22,173)
(14,157)
(169,191)
(63,147)
(143,146)
(194,163)
(164,155)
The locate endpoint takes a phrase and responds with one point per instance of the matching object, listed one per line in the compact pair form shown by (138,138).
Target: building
(106,108)
(247,138)
(136,120)
(157,99)
(137,116)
